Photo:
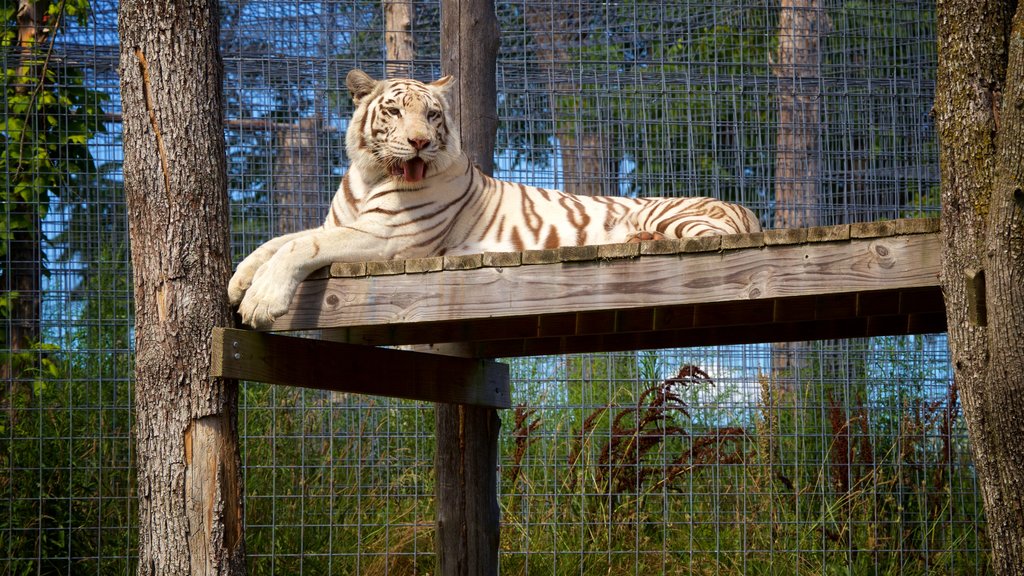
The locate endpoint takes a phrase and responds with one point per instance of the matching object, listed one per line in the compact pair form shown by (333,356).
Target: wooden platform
(871,279)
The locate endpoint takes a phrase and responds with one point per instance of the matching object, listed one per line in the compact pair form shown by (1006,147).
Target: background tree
(584,142)
(979,110)
(399,21)
(189,474)
(47,121)
(802,27)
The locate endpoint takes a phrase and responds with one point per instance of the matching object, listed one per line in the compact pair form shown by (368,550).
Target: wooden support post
(466,454)
(466,491)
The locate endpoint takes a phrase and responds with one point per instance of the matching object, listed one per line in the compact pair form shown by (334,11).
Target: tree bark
(802,24)
(24,255)
(979,110)
(587,166)
(31,37)
(189,473)
(469,51)
(466,451)
(298,166)
(399,18)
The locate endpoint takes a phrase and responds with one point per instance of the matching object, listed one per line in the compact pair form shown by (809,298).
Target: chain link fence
(850,458)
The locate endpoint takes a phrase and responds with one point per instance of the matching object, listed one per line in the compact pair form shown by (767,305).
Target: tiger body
(410,192)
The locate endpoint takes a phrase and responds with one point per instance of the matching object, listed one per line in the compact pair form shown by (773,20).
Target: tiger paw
(266,300)
(242,279)
(239,283)
(644,236)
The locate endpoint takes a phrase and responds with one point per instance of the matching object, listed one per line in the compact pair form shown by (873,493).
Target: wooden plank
(336,366)
(598,322)
(740,313)
(464,262)
(545,331)
(385,267)
(502,259)
(851,266)
(634,320)
(828,233)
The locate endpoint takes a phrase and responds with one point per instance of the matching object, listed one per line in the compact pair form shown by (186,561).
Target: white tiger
(410,192)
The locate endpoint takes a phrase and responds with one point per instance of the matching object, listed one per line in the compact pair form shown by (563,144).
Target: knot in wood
(882,255)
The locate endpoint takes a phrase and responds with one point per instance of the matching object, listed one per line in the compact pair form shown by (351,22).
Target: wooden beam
(340,367)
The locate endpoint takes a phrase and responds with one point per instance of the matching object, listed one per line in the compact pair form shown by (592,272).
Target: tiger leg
(242,279)
(276,280)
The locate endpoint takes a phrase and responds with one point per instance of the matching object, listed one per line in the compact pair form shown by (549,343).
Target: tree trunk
(469,51)
(24,262)
(399,18)
(298,166)
(466,451)
(802,24)
(189,473)
(587,166)
(31,37)
(979,109)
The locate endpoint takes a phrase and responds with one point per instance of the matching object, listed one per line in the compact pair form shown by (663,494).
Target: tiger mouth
(412,170)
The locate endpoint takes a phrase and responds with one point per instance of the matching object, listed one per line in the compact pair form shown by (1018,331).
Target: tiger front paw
(242,279)
(266,300)
(269,291)
(239,283)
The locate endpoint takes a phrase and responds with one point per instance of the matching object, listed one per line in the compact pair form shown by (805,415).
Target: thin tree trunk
(189,473)
(466,451)
(979,108)
(469,49)
(587,166)
(399,19)
(24,253)
(802,24)
(31,37)
(298,167)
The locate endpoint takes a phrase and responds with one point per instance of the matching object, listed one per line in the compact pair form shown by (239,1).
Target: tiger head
(401,128)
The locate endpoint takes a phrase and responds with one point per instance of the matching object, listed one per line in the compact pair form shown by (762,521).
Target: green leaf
(13,123)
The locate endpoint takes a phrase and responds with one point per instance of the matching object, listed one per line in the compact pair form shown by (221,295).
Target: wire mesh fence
(851,458)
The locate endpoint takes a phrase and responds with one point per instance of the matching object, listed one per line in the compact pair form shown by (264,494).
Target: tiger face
(401,129)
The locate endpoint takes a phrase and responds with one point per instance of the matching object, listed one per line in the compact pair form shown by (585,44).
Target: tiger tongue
(414,169)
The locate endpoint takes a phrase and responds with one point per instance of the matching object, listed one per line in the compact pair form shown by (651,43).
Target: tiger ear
(444,84)
(443,81)
(359,84)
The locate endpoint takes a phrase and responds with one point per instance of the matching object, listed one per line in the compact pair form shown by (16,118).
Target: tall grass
(812,484)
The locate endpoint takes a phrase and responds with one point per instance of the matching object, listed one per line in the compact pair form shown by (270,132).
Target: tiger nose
(419,143)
